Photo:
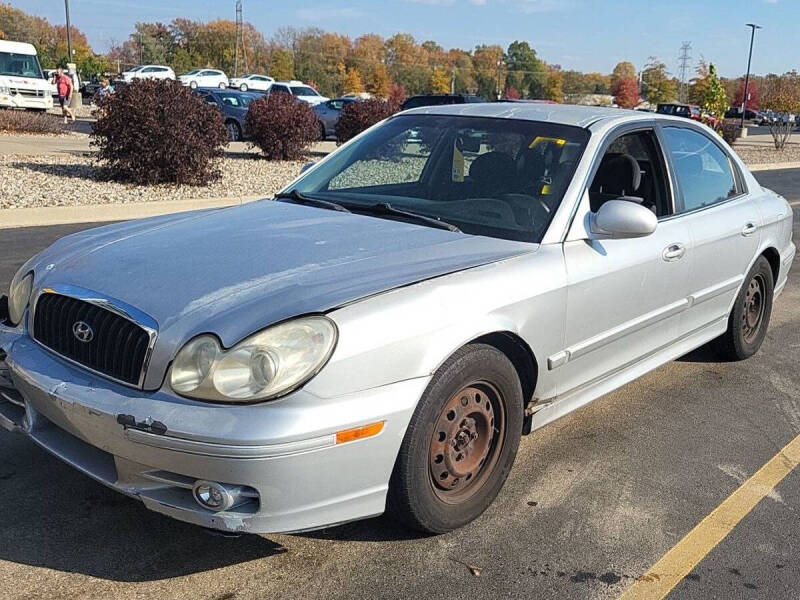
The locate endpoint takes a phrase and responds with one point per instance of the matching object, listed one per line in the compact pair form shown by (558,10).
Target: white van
(22,83)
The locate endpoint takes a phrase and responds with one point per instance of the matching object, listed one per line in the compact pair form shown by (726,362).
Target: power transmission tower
(684,62)
(239,40)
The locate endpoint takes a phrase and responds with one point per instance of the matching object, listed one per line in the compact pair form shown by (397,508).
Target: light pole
(753,28)
(69,36)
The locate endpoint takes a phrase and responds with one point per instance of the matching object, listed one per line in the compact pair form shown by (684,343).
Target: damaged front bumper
(154,446)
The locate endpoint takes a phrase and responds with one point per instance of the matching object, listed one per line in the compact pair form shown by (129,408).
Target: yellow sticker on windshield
(540,139)
(458,165)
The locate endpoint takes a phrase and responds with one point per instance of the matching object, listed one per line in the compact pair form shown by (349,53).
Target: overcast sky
(589,35)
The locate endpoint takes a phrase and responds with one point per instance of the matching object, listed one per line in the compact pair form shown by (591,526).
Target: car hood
(234,271)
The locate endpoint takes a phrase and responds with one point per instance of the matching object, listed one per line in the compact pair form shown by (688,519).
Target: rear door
(723,222)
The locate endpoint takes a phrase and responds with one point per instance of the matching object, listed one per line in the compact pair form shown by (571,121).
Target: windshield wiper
(384,208)
(301,198)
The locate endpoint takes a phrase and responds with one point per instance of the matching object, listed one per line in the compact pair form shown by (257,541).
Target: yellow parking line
(686,554)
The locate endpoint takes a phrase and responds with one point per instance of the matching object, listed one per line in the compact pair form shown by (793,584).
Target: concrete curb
(774,166)
(99,213)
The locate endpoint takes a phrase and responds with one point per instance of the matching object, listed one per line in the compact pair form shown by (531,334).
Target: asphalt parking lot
(593,502)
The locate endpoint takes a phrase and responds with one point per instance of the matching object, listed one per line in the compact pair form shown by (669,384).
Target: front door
(625,296)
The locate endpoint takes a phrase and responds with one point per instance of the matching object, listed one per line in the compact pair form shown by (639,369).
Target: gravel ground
(64,180)
(759,155)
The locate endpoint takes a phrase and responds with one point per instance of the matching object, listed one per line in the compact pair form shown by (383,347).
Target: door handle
(749,229)
(674,252)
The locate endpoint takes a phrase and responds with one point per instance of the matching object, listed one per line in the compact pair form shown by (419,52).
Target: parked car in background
(379,338)
(736,113)
(299,90)
(252,82)
(328,113)
(440,100)
(233,104)
(22,82)
(689,111)
(204,78)
(148,72)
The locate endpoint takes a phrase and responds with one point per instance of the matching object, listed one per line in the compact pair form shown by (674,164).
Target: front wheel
(193,85)
(234,131)
(460,444)
(749,319)
(243,87)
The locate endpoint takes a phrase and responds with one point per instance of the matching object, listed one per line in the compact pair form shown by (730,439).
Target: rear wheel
(323,135)
(749,319)
(461,443)
(222,85)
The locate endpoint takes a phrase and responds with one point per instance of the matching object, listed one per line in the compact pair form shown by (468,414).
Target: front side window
(495,177)
(702,168)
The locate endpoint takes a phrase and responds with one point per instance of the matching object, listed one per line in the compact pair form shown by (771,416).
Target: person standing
(64,91)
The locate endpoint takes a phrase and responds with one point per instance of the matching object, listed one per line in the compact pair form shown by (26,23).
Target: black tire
(243,87)
(234,131)
(223,85)
(419,495)
(323,135)
(193,85)
(749,319)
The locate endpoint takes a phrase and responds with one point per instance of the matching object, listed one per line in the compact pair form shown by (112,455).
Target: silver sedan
(381,336)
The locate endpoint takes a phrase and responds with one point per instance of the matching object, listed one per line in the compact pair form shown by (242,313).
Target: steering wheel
(535,209)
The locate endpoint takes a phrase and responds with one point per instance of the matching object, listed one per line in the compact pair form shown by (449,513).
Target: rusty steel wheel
(466,441)
(460,443)
(749,319)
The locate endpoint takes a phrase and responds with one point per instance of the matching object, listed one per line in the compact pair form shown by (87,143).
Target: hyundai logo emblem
(82,332)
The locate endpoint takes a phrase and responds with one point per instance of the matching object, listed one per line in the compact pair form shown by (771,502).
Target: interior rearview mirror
(621,219)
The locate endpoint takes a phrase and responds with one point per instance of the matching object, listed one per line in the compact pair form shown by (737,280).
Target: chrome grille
(24,92)
(117,347)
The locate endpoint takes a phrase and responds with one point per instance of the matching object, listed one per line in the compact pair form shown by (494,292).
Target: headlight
(18,296)
(263,366)
(4,89)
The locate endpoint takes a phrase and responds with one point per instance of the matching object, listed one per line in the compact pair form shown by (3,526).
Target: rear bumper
(303,479)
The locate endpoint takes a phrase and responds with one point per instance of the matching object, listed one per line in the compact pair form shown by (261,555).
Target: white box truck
(22,83)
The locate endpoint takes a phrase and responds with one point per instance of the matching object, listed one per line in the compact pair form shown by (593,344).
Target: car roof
(564,114)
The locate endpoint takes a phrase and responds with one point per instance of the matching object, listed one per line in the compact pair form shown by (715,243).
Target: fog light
(214,496)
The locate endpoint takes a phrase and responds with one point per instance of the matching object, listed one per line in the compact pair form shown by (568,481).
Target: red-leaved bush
(159,132)
(358,116)
(282,127)
(20,121)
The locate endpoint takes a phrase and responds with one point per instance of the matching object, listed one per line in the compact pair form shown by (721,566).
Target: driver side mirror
(307,166)
(621,219)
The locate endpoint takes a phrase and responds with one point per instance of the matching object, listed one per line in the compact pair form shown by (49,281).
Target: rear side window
(703,170)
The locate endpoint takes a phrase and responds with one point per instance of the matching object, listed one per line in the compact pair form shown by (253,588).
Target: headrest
(497,166)
(619,174)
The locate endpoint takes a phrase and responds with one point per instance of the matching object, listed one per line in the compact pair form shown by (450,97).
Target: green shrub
(159,132)
(281,127)
(20,121)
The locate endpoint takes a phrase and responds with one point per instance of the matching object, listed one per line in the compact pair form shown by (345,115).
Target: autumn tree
(627,92)
(512,93)
(555,86)
(281,65)
(698,86)
(622,71)
(379,82)
(781,94)
(753,95)
(490,73)
(353,84)
(657,84)
(440,82)
(715,100)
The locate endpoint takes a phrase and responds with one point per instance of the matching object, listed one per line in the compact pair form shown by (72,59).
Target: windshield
(193,72)
(240,100)
(21,65)
(303,90)
(496,177)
